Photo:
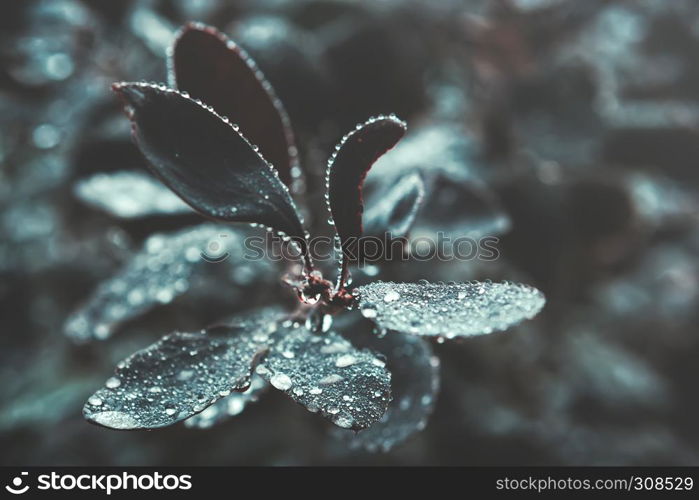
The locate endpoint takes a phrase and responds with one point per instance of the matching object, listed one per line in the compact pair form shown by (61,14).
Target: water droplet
(391,296)
(327,323)
(281,381)
(46,136)
(330,379)
(345,360)
(112,382)
(114,420)
(344,421)
(94,401)
(368,310)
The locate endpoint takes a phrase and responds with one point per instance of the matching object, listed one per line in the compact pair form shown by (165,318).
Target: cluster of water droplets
(179,376)
(326,374)
(448,310)
(193,376)
(129,194)
(316,321)
(229,406)
(414,386)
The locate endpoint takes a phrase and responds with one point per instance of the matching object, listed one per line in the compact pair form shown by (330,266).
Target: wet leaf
(440,148)
(228,407)
(396,208)
(206,161)
(347,168)
(414,386)
(660,201)
(179,376)
(451,310)
(129,195)
(210,67)
(480,212)
(326,374)
(160,272)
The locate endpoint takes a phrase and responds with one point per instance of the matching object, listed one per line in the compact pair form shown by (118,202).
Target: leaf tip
(132,96)
(110,419)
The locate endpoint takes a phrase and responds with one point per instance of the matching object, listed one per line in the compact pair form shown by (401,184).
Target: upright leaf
(208,66)
(448,310)
(347,168)
(206,161)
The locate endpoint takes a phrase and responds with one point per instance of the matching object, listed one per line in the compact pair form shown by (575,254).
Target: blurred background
(567,129)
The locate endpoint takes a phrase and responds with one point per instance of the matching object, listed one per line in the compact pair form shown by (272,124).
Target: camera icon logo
(216,250)
(16,487)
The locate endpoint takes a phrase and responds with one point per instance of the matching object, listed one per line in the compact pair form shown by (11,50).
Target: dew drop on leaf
(209,66)
(414,386)
(449,311)
(229,406)
(328,375)
(347,168)
(149,390)
(177,136)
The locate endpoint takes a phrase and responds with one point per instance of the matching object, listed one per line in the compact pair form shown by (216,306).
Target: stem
(308,266)
(344,271)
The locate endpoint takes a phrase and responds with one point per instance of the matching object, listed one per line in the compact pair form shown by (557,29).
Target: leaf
(46,394)
(414,386)
(129,195)
(180,375)
(228,407)
(396,208)
(661,201)
(347,168)
(206,64)
(452,310)
(479,213)
(325,374)
(205,161)
(163,270)
(441,148)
